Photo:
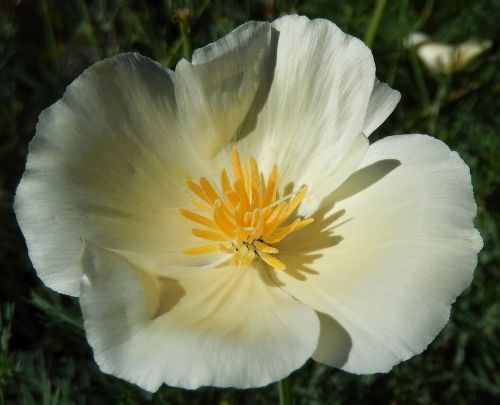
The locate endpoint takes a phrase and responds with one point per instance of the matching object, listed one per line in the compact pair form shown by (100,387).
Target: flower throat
(244,218)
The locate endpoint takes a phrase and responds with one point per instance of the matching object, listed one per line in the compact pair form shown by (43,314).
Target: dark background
(45,44)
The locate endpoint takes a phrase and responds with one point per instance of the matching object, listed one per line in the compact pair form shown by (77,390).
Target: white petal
(216,91)
(106,164)
(322,188)
(383,101)
(415,39)
(224,327)
(468,51)
(389,255)
(437,57)
(316,103)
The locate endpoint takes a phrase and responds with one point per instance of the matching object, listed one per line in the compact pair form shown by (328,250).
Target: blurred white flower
(179,206)
(416,39)
(443,58)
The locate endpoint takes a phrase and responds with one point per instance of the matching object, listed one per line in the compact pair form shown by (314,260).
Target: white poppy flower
(439,57)
(179,206)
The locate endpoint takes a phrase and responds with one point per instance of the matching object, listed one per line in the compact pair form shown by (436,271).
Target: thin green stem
(187,47)
(419,80)
(442,93)
(50,37)
(285,391)
(376,18)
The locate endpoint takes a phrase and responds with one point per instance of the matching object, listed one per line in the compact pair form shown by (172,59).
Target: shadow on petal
(334,342)
(362,179)
(161,293)
(250,121)
(171,292)
(299,250)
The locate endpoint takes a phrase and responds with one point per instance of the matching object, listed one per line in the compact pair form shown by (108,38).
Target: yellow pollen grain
(243,215)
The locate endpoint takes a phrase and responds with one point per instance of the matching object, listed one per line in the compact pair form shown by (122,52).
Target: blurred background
(450,91)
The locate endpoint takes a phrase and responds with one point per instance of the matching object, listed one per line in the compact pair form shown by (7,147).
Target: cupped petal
(216,90)
(383,101)
(107,163)
(315,105)
(388,255)
(224,327)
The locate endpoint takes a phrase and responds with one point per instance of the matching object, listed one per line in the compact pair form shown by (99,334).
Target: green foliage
(45,44)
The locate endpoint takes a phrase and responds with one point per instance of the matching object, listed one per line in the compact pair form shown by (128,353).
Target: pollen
(243,217)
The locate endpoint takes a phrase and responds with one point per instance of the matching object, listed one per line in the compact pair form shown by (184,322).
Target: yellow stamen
(235,160)
(232,198)
(198,218)
(208,190)
(265,248)
(266,212)
(239,215)
(222,222)
(208,234)
(304,223)
(272,185)
(200,250)
(247,181)
(239,187)
(195,188)
(260,228)
(244,215)
(200,205)
(281,233)
(256,185)
(275,219)
(247,218)
(225,182)
(294,203)
(227,248)
(272,261)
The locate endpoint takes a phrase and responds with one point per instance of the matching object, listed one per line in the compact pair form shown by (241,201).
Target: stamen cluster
(244,217)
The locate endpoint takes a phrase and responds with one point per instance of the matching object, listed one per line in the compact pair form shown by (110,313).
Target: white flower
(439,57)
(134,156)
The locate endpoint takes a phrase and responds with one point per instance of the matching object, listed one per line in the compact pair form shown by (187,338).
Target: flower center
(244,218)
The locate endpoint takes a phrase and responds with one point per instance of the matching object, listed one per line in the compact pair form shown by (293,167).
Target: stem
(419,80)
(50,37)
(187,48)
(285,390)
(372,29)
(438,103)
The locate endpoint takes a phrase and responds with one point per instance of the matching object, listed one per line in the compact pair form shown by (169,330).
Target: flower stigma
(244,218)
